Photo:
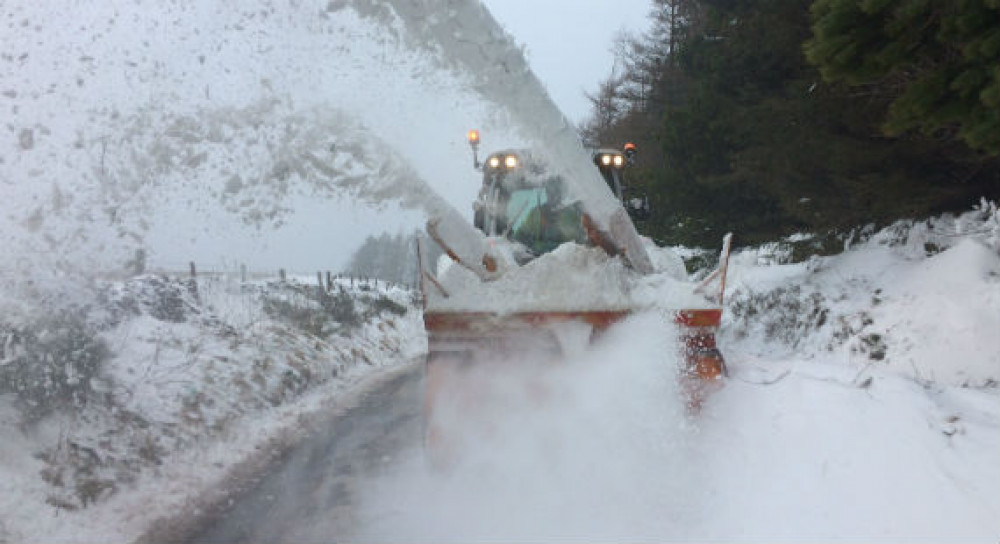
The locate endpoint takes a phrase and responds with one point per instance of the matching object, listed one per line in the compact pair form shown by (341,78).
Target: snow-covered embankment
(863,401)
(142,396)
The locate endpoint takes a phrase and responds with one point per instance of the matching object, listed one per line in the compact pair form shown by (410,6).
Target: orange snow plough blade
(704,365)
(464,342)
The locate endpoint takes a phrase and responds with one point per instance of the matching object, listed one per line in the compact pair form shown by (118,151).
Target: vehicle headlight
(606,160)
(510,161)
(619,160)
(494,162)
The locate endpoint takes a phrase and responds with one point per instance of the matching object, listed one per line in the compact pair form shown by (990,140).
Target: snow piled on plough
(571,278)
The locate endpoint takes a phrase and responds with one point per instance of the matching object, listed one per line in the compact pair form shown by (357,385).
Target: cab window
(540,224)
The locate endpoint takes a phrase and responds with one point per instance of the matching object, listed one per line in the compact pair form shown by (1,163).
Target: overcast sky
(568,42)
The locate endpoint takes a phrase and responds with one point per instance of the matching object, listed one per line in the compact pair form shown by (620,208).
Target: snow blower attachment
(536,272)
(612,163)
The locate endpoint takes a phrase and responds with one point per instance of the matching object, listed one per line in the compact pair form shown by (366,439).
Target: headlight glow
(605,160)
(494,162)
(619,160)
(510,161)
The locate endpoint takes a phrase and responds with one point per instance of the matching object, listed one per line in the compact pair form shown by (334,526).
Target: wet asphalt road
(308,494)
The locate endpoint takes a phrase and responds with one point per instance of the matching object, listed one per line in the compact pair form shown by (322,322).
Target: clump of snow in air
(121,122)
(470,41)
(473,43)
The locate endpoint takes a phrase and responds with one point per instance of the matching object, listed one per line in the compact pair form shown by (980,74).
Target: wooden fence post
(193,282)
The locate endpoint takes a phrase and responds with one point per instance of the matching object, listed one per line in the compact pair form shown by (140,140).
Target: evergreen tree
(740,132)
(390,257)
(937,62)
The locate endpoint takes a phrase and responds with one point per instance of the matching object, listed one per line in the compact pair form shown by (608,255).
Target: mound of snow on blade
(570,278)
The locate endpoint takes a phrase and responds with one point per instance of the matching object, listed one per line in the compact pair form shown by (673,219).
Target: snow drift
(921,299)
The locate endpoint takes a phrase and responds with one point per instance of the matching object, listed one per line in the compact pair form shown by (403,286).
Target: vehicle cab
(612,164)
(522,201)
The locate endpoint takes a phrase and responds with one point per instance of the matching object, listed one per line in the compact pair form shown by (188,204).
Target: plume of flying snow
(129,119)
(596,446)
(464,37)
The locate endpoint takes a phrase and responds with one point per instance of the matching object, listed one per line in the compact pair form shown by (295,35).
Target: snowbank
(919,299)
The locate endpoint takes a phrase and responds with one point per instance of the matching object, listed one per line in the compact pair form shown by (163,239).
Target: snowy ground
(862,404)
(863,401)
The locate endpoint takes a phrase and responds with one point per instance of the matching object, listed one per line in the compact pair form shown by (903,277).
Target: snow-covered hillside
(158,388)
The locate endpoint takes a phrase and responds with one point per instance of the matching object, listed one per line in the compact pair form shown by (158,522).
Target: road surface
(308,494)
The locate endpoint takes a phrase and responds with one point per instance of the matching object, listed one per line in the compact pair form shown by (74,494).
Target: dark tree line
(392,258)
(766,117)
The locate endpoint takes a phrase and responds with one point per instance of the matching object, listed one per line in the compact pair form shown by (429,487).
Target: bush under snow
(103,392)
(921,298)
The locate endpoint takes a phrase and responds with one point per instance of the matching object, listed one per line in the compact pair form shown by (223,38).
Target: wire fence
(244,274)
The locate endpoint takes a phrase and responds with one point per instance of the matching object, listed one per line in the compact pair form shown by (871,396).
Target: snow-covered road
(788,450)
(812,456)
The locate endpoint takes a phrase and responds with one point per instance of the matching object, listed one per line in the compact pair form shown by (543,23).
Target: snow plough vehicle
(537,269)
